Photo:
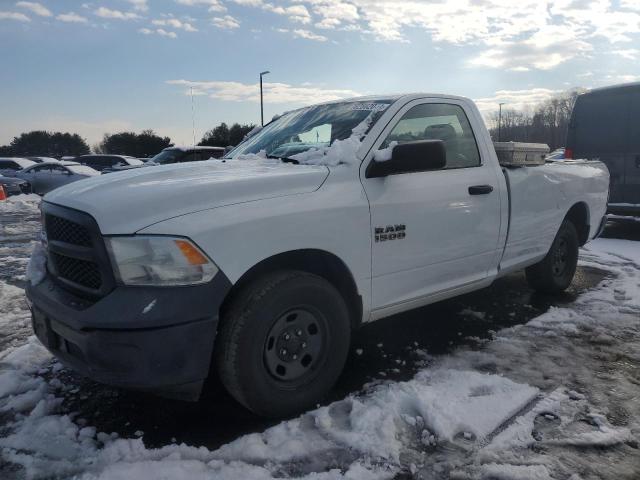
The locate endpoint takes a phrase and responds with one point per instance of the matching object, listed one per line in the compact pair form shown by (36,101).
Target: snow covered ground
(555,398)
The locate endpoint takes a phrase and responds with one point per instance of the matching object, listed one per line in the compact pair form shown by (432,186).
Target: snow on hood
(150,195)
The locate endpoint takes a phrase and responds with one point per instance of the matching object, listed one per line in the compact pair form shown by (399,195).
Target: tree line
(146,144)
(546,123)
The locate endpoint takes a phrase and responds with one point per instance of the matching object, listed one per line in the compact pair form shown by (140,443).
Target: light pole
(261,98)
(500,121)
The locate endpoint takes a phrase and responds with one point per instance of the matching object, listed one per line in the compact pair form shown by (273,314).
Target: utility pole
(193,119)
(500,122)
(261,98)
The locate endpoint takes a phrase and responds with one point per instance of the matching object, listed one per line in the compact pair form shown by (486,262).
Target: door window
(56,170)
(438,121)
(9,165)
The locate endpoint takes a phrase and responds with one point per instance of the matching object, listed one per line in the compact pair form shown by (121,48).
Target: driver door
(431,232)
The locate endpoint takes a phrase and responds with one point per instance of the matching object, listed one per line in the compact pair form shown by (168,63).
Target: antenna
(193,119)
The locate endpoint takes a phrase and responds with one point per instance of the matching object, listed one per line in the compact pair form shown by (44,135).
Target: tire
(554,273)
(283,343)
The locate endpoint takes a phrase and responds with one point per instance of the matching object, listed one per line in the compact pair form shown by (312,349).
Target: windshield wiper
(285,159)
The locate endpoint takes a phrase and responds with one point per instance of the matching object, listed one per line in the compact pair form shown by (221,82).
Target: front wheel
(283,343)
(554,273)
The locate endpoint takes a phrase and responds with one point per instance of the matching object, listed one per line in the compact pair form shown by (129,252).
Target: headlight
(159,261)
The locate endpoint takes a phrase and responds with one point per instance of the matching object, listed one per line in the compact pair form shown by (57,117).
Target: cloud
(19,17)
(158,31)
(214,5)
(543,50)
(139,5)
(250,3)
(621,78)
(515,99)
(104,12)
(175,23)
(71,17)
(226,23)
(275,93)
(36,8)
(629,53)
(301,33)
(523,35)
(295,13)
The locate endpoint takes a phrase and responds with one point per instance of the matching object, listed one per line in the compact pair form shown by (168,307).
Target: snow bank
(20,204)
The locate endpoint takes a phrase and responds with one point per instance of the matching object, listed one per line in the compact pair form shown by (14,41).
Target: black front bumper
(145,338)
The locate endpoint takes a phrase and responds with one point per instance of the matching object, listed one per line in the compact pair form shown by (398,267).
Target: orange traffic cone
(3,196)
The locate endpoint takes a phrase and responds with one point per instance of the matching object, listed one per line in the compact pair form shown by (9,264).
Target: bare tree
(547,124)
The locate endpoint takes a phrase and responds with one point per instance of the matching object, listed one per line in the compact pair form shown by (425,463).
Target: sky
(113,65)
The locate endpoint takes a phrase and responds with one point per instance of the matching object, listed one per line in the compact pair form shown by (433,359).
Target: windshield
(311,128)
(167,156)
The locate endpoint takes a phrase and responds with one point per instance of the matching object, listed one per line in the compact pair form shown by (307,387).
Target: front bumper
(144,338)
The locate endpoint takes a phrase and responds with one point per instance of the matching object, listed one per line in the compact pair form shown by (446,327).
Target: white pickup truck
(260,266)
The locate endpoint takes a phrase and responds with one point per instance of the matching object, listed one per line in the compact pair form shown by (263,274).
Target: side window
(92,162)
(9,165)
(207,154)
(438,121)
(190,156)
(41,169)
(58,170)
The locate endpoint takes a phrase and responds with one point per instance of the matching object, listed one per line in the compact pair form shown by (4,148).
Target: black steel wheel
(296,345)
(283,342)
(554,273)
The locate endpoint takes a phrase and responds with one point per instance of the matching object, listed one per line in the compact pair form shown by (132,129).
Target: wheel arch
(579,216)
(318,262)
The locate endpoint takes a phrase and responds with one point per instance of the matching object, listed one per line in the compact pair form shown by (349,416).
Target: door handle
(637,161)
(480,189)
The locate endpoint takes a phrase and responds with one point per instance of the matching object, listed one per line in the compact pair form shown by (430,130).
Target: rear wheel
(554,273)
(283,343)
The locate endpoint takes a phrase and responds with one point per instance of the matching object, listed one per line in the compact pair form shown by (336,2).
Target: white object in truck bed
(520,154)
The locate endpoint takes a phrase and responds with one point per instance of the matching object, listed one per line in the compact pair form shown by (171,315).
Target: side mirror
(419,156)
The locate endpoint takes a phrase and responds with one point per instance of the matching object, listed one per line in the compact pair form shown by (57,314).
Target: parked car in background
(108,162)
(10,165)
(604,125)
(47,176)
(187,154)
(557,154)
(14,186)
(42,159)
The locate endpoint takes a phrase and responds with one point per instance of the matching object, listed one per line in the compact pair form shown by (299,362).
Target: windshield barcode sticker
(370,107)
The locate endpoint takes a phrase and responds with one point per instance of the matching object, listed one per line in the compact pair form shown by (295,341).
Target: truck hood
(125,202)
